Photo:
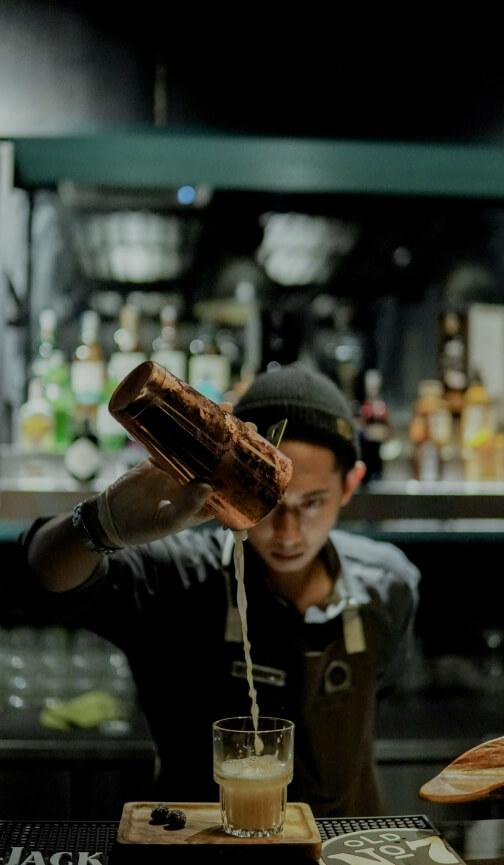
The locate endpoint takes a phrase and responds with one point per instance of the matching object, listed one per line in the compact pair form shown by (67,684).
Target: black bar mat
(331,827)
(385,835)
(20,838)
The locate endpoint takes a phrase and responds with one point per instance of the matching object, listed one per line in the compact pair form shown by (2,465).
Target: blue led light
(186,195)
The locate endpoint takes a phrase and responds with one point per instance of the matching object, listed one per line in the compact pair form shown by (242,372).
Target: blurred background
(228,197)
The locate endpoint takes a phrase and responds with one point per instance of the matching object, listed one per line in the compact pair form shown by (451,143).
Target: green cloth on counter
(87,710)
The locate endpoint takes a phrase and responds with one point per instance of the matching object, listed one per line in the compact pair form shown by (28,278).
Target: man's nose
(286,522)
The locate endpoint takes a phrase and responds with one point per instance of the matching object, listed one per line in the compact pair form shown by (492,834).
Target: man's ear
(352,481)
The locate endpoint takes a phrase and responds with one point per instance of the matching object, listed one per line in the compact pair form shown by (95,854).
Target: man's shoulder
(370,552)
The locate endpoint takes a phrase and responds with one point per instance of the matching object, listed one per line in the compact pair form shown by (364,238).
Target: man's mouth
(286,556)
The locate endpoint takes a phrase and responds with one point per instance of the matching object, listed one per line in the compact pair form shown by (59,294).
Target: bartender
(330,613)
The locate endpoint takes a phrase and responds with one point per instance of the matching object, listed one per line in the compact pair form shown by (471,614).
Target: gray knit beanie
(314,406)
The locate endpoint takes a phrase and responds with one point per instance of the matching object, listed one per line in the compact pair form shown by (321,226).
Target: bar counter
(84,773)
(63,842)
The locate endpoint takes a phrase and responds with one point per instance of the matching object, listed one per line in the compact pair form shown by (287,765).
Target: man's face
(290,537)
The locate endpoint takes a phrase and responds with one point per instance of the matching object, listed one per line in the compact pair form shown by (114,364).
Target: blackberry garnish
(160,814)
(176,819)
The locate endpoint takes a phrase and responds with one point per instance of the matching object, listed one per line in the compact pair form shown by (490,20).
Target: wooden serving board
(476,774)
(204,827)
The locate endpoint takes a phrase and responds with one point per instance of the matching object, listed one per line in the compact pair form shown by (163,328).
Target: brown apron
(330,694)
(335,769)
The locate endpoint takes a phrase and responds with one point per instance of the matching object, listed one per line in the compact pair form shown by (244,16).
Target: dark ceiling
(385,73)
(346,103)
(436,74)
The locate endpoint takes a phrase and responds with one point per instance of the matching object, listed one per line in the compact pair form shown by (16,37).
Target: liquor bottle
(348,350)
(337,346)
(59,395)
(127,339)
(430,431)
(166,349)
(50,367)
(49,363)
(209,369)
(88,369)
(453,359)
(375,426)
(83,459)
(478,413)
(47,355)
(35,421)
(478,432)
(111,436)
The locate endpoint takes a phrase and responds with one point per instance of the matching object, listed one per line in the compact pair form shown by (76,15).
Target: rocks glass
(253,770)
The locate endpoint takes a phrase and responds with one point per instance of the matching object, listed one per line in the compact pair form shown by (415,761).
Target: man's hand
(141,506)
(146,504)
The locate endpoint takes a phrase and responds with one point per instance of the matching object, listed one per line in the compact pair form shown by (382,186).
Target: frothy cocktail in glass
(253,771)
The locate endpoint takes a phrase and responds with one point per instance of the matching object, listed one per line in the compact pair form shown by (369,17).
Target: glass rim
(230,725)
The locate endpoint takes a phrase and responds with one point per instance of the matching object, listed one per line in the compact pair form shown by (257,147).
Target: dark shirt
(171,607)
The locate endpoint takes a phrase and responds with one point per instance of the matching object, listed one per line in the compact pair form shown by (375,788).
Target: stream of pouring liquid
(238,558)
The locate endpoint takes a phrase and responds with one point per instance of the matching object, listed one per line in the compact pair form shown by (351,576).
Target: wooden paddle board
(476,774)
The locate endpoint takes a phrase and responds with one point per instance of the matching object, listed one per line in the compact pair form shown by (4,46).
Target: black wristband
(85,521)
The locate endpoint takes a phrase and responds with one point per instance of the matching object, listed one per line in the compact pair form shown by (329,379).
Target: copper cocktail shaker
(191,437)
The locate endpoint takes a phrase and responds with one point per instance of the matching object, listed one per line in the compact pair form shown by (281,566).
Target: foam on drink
(254,792)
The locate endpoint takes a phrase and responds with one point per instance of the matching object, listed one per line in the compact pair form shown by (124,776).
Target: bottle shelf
(33,485)
(163,159)
(422,500)
(432,505)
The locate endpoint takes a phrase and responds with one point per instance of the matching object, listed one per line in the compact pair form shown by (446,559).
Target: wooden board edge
(311,845)
(475,796)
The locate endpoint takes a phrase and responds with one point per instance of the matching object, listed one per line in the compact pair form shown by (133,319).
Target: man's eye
(313,504)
